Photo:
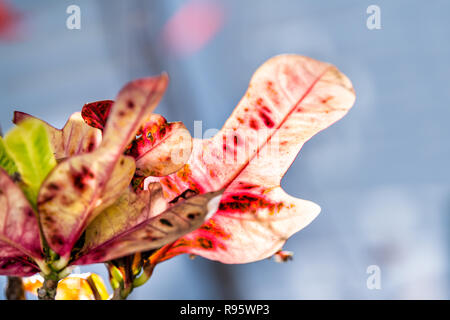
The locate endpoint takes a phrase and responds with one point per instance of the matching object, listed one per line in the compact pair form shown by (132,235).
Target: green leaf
(6,162)
(29,146)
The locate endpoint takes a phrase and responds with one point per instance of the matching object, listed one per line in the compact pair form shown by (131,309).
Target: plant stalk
(48,290)
(14,289)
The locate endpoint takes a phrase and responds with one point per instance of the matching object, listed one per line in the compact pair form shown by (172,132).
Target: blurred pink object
(8,21)
(192,27)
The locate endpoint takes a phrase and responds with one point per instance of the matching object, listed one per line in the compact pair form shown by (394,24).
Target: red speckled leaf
(156,230)
(75,138)
(19,231)
(290,99)
(160,148)
(81,187)
(96,113)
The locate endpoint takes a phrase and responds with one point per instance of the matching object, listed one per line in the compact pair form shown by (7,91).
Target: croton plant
(120,185)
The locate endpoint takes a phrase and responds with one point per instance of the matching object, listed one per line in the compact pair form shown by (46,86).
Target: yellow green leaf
(6,162)
(29,147)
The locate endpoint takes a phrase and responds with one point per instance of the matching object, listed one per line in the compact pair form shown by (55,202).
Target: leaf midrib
(294,107)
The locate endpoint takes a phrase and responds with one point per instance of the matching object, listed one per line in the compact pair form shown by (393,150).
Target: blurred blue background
(380,175)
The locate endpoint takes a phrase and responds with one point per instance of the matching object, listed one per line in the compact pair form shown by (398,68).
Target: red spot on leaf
(267,120)
(266,109)
(96,113)
(200,242)
(224,143)
(130,104)
(53,186)
(272,93)
(214,229)
(185,173)
(205,243)
(79,179)
(236,140)
(46,198)
(327,99)
(244,202)
(56,239)
(254,124)
(162,131)
(247,186)
(29,213)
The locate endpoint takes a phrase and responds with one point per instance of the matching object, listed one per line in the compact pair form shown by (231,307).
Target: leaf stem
(145,276)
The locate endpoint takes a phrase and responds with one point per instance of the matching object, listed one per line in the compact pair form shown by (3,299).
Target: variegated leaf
(83,186)
(6,162)
(75,138)
(30,149)
(154,232)
(130,210)
(95,114)
(20,244)
(290,99)
(160,148)
(17,265)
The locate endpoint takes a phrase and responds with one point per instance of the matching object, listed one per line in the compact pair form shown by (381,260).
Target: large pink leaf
(160,148)
(290,98)
(83,186)
(20,244)
(138,222)
(75,138)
